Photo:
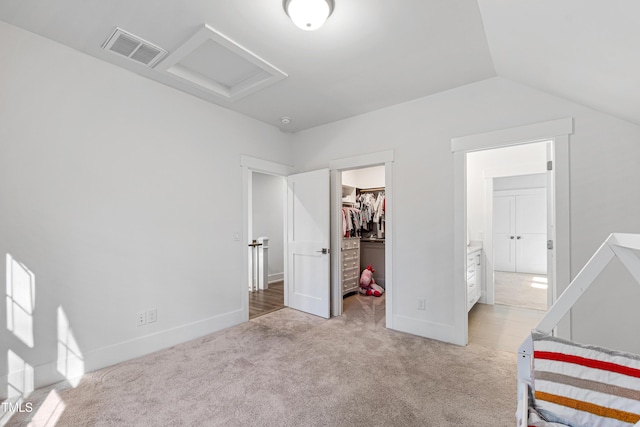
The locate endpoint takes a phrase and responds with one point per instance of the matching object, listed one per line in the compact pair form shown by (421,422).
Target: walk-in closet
(363,231)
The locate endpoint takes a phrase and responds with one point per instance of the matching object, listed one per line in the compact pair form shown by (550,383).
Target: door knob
(511,237)
(324,251)
(519,237)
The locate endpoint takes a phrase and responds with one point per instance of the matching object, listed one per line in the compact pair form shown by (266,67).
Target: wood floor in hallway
(265,301)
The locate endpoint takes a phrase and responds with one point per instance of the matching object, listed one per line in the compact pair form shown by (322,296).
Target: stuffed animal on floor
(368,285)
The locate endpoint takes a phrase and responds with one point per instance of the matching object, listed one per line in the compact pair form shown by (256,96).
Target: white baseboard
(483,298)
(47,374)
(276,277)
(423,328)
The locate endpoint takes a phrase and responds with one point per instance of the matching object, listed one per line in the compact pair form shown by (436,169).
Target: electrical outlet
(142,318)
(422,304)
(152,315)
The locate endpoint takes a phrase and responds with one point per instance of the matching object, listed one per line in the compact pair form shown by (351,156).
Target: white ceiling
(587,51)
(375,53)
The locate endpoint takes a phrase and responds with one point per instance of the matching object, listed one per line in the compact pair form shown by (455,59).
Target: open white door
(308,260)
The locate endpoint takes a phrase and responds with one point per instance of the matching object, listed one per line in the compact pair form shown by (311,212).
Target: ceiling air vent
(133,47)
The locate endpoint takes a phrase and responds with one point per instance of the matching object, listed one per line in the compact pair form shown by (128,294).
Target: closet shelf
(370,190)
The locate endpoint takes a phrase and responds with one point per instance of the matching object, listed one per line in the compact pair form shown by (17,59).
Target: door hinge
(549,244)
(549,165)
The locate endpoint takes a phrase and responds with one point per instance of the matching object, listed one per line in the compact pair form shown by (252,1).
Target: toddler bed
(562,383)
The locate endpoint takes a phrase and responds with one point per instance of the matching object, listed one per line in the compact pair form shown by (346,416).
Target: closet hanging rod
(371,190)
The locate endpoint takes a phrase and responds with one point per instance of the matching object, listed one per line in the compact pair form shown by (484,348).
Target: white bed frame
(616,245)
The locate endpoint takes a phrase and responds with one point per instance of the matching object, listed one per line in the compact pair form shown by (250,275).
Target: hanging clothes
(351,222)
(372,207)
(378,204)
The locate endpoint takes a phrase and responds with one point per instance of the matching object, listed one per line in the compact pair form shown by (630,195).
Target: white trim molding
(276,277)
(364,160)
(513,136)
(265,166)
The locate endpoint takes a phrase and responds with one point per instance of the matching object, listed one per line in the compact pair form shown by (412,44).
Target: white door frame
(558,132)
(358,162)
(249,165)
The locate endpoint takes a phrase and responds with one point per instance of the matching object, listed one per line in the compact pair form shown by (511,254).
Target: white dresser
(350,264)
(474,275)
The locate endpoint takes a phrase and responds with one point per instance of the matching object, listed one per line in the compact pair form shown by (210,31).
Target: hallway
(266,301)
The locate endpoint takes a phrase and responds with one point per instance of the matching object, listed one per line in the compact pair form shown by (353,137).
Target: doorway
(363,239)
(383,160)
(266,231)
(250,165)
(507,209)
(519,241)
(557,133)
(507,226)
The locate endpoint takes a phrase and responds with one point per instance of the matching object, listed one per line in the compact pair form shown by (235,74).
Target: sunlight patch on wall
(21,299)
(21,377)
(49,412)
(70,359)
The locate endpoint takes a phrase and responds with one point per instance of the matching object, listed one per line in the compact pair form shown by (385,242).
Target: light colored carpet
(288,368)
(521,290)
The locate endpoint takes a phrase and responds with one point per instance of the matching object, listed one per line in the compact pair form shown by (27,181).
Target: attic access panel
(216,64)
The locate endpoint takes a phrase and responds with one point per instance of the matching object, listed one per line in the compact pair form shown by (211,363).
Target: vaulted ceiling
(371,54)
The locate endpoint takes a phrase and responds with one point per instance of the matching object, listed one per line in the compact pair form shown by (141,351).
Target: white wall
(268,217)
(520,159)
(119,194)
(604,154)
(364,178)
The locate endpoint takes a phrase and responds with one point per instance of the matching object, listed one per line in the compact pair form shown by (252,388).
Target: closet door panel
(531,254)
(504,233)
(531,233)
(531,213)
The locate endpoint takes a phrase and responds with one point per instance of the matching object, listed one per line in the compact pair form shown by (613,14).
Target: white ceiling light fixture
(308,15)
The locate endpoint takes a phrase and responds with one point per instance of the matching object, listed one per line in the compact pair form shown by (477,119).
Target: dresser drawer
(349,284)
(351,264)
(471,272)
(471,287)
(351,255)
(350,244)
(352,273)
